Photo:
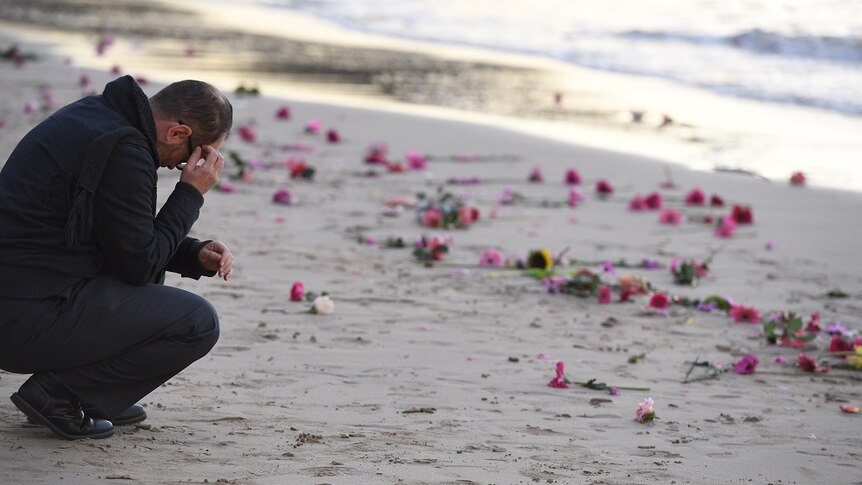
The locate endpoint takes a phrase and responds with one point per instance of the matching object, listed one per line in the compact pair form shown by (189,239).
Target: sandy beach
(439,373)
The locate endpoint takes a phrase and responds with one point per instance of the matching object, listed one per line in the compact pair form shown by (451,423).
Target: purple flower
(836,328)
(746,365)
(650,264)
(707,307)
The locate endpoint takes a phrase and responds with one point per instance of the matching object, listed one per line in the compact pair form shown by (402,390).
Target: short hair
(197,104)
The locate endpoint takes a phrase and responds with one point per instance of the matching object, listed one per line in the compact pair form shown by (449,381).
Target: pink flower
(559,381)
(604,188)
(491,258)
(659,301)
(283,113)
(744,314)
(332,136)
(30,107)
(726,227)
(572,177)
(838,344)
(746,365)
(813,323)
(797,179)
(716,201)
(809,364)
(432,217)
(246,132)
(653,201)
(536,176)
(416,161)
(645,411)
(604,295)
(575,196)
(695,197)
(670,217)
(283,196)
(225,187)
(779,360)
(376,153)
(312,127)
(615,391)
(297,292)
(637,204)
(742,215)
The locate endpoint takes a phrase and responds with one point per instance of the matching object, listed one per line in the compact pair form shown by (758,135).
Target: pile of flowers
(445,212)
(299,169)
(688,271)
(430,249)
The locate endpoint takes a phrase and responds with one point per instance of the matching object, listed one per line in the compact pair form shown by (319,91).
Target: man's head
(189,114)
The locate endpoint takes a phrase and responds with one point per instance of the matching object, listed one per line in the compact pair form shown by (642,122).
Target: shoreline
(709,132)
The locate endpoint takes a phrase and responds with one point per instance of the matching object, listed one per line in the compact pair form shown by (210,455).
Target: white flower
(323,305)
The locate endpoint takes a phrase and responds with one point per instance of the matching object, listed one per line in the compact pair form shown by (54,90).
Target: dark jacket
(39,183)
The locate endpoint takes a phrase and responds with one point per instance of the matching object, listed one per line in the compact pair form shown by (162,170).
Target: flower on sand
(559,381)
(695,197)
(572,177)
(797,179)
(850,409)
(716,201)
(809,364)
(604,188)
(332,136)
(376,153)
(312,127)
(297,291)
(431,217)
(491,258)
(670,216)
(742,214)
(653,201)
(283,113)
(416,161)
(283,196)
(632,285)
(323,305)
(746,365)
(659,301)
(541,259)
(247,133)
(430,249)
(536,176)
(575,196)
(637,203)
(645,411)
(225,187)
(856,360)
(604,295)
(744,314)
(726,227)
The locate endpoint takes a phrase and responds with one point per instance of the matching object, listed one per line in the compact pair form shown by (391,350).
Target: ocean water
(803,52)
(773,86)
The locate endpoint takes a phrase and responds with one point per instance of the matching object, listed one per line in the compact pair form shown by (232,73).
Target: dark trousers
(108,342)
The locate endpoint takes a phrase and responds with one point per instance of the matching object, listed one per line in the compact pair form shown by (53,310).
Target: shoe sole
(37,417)
(115,422)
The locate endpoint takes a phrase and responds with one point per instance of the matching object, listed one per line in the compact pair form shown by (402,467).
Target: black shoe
(135,414)
(46,401)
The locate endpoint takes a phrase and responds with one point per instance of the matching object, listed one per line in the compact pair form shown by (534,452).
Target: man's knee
(206,326)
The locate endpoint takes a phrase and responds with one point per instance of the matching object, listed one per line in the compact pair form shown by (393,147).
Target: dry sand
(433,375)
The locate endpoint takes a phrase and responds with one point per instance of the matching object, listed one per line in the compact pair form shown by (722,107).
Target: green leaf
(720,302)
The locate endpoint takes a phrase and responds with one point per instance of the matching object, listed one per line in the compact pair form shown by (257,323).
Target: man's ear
(179,133)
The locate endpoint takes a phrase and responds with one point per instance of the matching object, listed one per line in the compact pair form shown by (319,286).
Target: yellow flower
(541,259)
(856,360)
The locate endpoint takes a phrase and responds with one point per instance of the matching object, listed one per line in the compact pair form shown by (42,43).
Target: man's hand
(205,175)
(215,256)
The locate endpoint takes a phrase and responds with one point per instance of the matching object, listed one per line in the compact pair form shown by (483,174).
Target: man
(83,253)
